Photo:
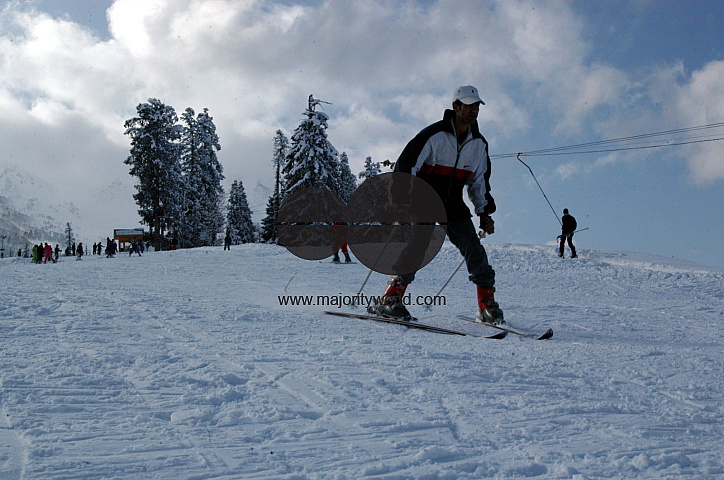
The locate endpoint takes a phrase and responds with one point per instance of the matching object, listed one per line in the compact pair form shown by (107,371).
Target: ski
(507,328)
(419,326)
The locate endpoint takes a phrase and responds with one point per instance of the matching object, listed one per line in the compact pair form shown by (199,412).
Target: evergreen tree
(238,220)
(155,160)
(312,159)
(269,232)
(347,180)
(281,149)
(69,237)
(371,169)
(203,216)
(269,226)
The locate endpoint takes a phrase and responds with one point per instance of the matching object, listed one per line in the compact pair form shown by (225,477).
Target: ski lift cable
(541,190)
(621,149)
(575,149)
(631,138)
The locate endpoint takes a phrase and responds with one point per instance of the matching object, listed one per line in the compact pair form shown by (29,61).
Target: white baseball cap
(467,94)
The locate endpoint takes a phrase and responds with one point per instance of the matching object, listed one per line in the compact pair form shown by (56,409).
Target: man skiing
(568,226)
(449,155)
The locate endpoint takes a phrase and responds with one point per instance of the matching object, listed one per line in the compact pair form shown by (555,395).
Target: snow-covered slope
(184,365)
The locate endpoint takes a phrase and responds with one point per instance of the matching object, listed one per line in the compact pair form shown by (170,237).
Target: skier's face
(467,114)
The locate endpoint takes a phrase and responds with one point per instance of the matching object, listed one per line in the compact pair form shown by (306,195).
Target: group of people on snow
(112,248)
(43,252)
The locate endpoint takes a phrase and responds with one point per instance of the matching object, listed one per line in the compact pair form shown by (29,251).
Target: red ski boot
(391,305)
(488,309)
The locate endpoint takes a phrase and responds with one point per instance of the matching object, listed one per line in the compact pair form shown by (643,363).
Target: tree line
(179,192)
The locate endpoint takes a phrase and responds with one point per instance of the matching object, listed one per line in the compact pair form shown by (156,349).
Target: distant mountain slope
(26,216)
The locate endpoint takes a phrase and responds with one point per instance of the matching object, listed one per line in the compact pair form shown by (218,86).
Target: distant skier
(227,242)
(569,226)
(110,248)
(134,248)
(79,251)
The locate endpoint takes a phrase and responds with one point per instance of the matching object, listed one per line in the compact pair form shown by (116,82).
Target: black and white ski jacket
(435,156)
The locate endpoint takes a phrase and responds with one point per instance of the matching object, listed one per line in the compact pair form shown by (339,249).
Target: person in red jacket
(340,242)
(48,250)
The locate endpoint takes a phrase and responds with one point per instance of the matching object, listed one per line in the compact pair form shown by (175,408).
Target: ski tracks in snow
(285,411)
(180,365)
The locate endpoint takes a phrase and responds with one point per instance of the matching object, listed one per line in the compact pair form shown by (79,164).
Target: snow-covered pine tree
(203,216)
(281,149)
(238,219)
(69,237)
(155,160)
(269,223)
(269,232)
(312,159)
(347,180)
(371,169)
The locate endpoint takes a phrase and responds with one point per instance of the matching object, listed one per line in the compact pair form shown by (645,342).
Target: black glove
(487,224)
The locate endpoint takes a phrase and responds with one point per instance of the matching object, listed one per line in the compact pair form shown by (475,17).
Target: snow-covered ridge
(184,365)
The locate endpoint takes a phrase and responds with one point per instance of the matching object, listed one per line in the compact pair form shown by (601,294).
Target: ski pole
(559,236)
(428,307)
(384,247)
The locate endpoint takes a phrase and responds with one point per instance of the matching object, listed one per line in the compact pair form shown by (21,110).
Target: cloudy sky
(553,74)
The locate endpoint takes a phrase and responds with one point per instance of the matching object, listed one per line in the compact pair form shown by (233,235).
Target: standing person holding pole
(568,226)
(449,155)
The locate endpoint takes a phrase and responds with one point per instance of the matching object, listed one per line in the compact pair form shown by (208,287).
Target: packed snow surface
(184,365)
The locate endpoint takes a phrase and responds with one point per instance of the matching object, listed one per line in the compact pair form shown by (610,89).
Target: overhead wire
(633,142)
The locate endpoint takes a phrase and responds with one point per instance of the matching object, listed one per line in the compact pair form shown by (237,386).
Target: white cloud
(567,170)
(667,98)
(701,102)
(387,67)
(589,88)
